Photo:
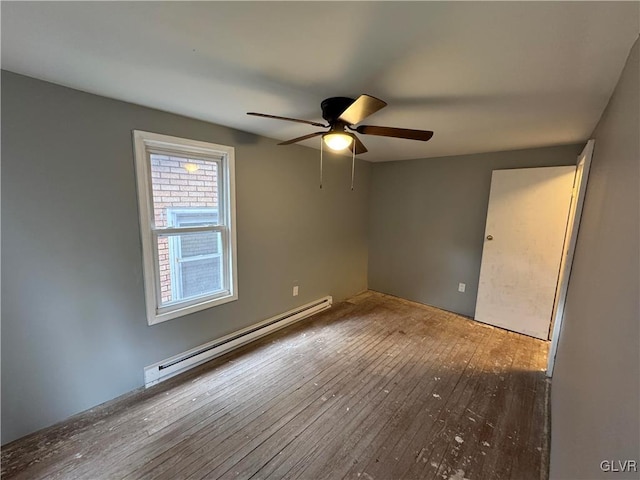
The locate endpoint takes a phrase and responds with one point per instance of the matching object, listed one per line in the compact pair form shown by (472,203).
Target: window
(187,220)
(197,262)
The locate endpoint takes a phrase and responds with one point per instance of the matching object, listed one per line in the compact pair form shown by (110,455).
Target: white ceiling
(484,76)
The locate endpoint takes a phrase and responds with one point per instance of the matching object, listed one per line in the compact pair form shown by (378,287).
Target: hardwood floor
(374,388)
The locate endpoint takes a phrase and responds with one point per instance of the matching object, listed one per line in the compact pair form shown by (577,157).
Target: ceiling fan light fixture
(337,141)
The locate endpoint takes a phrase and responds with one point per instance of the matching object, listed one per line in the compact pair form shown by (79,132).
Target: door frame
(573,226)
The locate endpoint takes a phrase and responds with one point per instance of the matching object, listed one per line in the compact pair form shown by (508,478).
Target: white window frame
(145,144)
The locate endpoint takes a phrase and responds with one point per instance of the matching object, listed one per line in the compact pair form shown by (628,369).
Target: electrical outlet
(295,291)
(462,287)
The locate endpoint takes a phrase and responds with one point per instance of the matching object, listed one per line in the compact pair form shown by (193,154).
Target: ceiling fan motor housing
(333,107)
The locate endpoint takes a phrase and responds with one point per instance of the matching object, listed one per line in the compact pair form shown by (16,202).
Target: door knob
(489,237)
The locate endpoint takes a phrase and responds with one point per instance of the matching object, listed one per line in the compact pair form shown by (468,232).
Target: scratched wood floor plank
(255,427)
(393,458)
(478,415)
(541,417)
(273,450)
(174,451)
(429,430)
(515,416)
(368,391)
(449,446)
(394,434)
(375,388)
(531,437)
(375,428)
(337,407)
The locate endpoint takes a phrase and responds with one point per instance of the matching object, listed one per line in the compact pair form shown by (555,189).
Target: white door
(524,236)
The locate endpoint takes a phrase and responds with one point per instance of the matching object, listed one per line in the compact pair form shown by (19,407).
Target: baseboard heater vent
(177,364)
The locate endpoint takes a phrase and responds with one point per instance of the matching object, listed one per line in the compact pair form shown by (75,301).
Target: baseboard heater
(177,364)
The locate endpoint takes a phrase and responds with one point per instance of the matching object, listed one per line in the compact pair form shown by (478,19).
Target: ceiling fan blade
(357,144)
(361,108)
(407,133)
(315,124)
(299,139)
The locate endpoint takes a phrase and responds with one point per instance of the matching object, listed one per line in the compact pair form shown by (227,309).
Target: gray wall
(74,332)
(427,220)
(594,394)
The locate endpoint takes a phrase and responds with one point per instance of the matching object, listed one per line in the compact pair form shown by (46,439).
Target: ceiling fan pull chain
(353,165)
(321,142)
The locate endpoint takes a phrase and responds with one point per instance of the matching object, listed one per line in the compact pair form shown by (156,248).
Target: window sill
(154,318)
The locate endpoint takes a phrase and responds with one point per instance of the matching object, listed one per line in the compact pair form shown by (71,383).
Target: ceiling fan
(341,114)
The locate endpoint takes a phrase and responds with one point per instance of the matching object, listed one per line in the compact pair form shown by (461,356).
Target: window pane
(183,183)
(197,244)
(190,266)
(192,216)
(201,277)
